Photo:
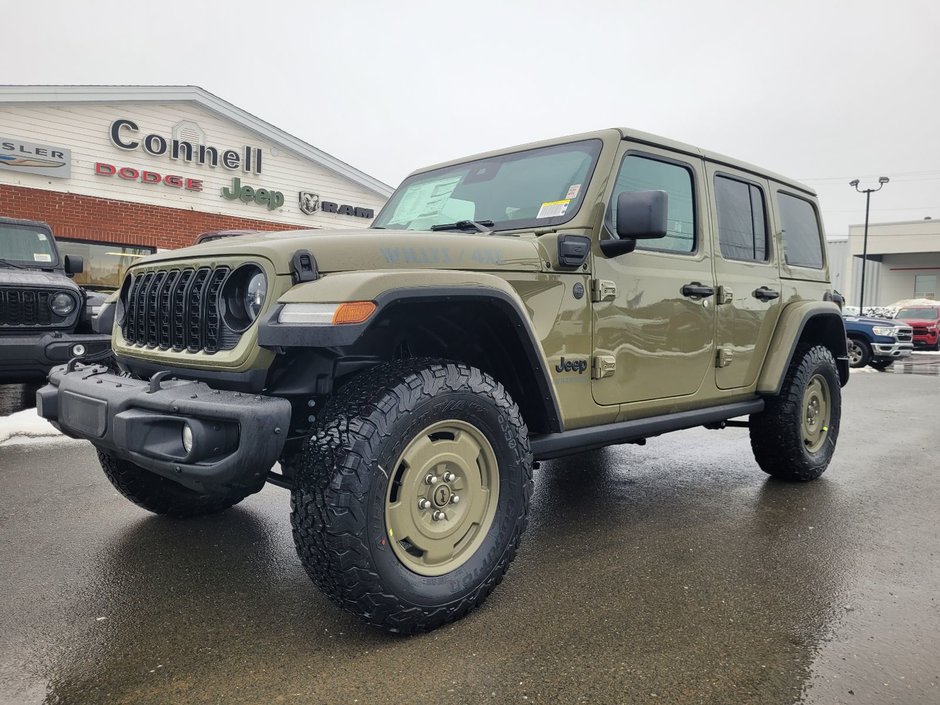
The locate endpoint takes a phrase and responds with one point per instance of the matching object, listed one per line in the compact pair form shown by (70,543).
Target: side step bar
(556,445)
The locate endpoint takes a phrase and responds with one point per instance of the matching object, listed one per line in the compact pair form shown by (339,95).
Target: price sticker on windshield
(41,257)
(553,209)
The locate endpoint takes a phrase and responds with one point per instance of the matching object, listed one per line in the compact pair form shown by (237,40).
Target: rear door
(748,297)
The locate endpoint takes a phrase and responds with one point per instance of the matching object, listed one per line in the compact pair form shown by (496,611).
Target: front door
(655,317)
(748,298)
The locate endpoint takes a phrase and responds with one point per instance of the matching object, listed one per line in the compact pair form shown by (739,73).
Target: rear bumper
(236,437)
(24,357)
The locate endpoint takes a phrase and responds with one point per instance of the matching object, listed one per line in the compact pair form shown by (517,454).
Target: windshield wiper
(8,263)
(481,226)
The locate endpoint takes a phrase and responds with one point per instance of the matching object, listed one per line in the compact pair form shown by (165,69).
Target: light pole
(882,180)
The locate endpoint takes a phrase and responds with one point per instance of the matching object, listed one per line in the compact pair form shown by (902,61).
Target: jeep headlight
(889,331)
(62,304)
(242,297)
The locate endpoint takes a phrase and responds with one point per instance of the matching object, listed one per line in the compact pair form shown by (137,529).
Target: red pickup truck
(925,320)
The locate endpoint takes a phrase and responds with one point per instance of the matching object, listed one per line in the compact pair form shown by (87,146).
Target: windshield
(535,188)
(27,245)
(918,312)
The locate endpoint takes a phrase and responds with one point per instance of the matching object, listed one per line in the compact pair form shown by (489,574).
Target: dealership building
(122,171)
(903,262)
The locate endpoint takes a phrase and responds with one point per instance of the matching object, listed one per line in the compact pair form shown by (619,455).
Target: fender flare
(271,333)
(794,320)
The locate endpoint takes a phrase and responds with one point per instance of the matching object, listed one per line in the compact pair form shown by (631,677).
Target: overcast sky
(824,91)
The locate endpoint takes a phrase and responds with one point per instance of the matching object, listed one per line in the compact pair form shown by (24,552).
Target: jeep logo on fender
(247,194)
(578,366)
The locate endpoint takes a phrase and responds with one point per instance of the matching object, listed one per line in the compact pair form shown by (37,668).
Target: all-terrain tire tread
(329,501)
(159,495)
(775,432)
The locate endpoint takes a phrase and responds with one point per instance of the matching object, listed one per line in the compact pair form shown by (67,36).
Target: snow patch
(25,426)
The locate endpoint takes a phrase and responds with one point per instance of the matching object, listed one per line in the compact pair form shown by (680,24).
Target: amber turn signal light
(353,312)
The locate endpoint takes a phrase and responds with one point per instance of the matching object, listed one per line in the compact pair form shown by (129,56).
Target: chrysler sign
(18,155)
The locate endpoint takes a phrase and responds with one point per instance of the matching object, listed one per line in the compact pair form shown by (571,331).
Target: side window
(644,174)
(742,223)
(802,241)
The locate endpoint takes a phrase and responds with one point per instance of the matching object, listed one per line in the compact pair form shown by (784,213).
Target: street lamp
(882,180)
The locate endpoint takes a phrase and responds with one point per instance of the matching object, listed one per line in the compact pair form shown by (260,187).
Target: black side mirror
(74,264)
(642,214)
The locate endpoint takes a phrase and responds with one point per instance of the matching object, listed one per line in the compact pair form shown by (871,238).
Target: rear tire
(859,353)
(795,435)
(389,451)
(159,495)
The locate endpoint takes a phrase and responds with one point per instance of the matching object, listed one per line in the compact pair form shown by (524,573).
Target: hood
(916,321)
(368,249)
(869,321)
(35,278)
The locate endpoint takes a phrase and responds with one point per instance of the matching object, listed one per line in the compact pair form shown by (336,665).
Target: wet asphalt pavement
(671,573)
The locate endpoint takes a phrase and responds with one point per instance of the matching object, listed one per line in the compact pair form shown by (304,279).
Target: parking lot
(671,573)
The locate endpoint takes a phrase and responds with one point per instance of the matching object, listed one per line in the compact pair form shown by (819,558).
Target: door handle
(697,290)
(765,294)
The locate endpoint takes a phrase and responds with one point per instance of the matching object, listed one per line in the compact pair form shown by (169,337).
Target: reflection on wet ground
(919,363)
(670,573)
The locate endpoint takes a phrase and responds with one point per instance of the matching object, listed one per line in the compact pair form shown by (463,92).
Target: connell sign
(125,134)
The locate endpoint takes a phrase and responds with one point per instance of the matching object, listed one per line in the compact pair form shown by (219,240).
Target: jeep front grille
(177,309)
(28,308)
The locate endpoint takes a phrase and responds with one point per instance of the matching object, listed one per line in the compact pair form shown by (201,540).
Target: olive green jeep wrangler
(503,309)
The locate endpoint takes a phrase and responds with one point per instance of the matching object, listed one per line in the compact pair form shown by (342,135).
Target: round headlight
(254,295)
(242,297)
(62,304)
(120,312)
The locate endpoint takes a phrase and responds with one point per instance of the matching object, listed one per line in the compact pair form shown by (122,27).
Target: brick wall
(107,220)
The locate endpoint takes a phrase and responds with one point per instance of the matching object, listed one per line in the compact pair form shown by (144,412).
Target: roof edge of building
(12,94)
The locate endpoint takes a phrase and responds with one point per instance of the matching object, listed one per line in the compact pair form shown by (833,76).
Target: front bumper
(24,357)
(237,437)
(926,340)
(893,350)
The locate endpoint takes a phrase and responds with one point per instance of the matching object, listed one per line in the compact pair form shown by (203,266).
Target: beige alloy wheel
(442,497)
(816,413)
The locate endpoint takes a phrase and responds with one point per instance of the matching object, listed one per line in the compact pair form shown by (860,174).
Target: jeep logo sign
(247,194)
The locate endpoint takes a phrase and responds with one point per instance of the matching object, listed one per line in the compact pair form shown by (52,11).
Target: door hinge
(724,357)
(603,366)
(725,295)
(603,290)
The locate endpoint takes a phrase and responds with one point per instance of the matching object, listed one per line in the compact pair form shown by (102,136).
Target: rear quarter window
(802,236)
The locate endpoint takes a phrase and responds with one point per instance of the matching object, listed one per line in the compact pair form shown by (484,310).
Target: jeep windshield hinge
(603,290)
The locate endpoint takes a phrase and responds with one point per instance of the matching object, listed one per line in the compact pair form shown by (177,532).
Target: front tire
(375,521)
(859,353)
(795,435)
(159,495)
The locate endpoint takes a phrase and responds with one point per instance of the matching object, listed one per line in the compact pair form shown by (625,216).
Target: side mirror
(642,214)
(74,264)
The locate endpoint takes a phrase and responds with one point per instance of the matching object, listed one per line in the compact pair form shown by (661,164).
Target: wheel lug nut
(431,480)
(424,503)
(449,477)
(438,515)
(454,499)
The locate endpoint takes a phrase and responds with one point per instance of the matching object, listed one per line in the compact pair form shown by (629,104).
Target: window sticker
(41,257)
(553,209)
(42,237)
(426,200)
(573,191)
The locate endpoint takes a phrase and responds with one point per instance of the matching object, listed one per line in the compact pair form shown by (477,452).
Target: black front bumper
(236,437)
(24,356)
